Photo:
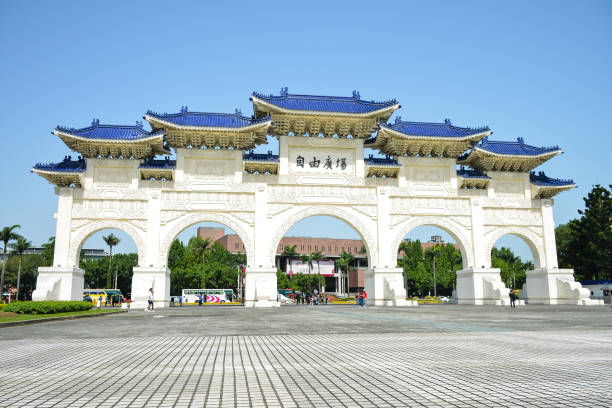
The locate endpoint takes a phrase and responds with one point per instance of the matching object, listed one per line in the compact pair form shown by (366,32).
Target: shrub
(47,307)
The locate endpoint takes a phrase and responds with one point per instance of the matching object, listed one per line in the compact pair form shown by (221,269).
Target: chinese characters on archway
(327,163)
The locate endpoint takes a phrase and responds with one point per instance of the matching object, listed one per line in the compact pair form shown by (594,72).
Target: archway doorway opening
(107,258)
(514,256)
(430,257)
(207,262)
(321,258)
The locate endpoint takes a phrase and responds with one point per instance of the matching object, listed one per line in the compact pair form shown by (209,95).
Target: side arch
(189,220)
(452,228)
(533,241)
(80,236)
(342,214)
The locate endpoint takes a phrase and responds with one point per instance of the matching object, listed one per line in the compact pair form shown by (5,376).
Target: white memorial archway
(320,169)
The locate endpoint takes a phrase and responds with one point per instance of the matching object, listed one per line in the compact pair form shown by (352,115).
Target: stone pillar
(144,278)
(481,286)
(261,290)
(59,283)
(151,248)
(548,227)
(556,287)
(384,282)
(64,280)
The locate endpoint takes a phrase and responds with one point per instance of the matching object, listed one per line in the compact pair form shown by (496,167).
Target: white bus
(208,295)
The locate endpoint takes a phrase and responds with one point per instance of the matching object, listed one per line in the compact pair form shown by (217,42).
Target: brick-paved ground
(443,355)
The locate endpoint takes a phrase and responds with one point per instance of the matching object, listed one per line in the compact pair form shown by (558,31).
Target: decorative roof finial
(284,91)
(184,109)
(238,112)
(398,119)
(447,121)
(484,140)
(139,124)
(520,140)
(95,122)
(356,95)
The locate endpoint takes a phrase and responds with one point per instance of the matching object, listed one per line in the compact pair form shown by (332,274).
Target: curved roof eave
(278,109)
(477,136)
(262,124)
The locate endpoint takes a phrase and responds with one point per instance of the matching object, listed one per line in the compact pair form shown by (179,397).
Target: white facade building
(320,170)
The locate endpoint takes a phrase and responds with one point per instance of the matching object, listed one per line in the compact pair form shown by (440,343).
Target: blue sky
(537,70)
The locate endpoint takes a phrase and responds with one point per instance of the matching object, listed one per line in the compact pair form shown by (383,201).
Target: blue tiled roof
(540,179)
(67,165)
(518,148)
(110,132)
(472,173)
(158,164)
(382,161)
(269,157)
(340,104)
(203,119)
(445,129)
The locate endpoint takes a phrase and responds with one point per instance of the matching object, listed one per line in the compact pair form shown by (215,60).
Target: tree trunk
(110,272)
(18,277)
(434,276)
(2,277)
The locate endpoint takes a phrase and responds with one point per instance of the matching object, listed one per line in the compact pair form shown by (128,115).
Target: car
(445,299)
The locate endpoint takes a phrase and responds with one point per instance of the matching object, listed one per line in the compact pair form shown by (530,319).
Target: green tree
(47,253)
(346,258)
(18,248)
(587,247)
(289,253)
(317,256)
(111,241)
(97,271)
(433,253)
(6,235)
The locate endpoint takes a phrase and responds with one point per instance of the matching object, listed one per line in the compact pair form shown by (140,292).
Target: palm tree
(317,256)
(18,248)
(111,241)
(347,258)
(290,252)
(6,235)
(434,252)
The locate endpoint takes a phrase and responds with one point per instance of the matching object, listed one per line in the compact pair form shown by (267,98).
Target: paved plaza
(303,356)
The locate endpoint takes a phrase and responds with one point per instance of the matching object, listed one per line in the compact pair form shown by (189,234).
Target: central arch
(453,229)
(336,212)
(188,221)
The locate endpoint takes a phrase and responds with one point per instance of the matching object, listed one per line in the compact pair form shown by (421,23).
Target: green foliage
(585,244)
(47,307)
(511,266)
(200,264)
(418,267)
(97,272)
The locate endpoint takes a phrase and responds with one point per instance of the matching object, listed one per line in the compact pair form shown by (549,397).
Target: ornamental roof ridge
(514,148)
(542,179)
(152,163)
(433,129)
(388,160)
(200,117)
(67,165)
(356,97)
(471,173)
(106,131)
(252,156)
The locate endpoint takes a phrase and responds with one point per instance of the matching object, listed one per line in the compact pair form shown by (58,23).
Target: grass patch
(19,317)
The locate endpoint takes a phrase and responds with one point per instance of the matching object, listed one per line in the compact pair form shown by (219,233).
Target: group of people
(311,299)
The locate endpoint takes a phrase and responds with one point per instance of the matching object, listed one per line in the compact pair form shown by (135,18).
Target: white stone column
(64,280)
(548,227)
(556,287)
(144,278)
(385,282)
(151,249)
(261,290)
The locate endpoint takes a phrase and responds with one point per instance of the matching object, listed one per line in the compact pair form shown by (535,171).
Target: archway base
(145,278)
(556,287)
(481,287)
(57,283)
(260,288)
(385,287)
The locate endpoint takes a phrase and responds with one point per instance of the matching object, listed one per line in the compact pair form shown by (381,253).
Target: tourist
(362,298)
(512,299)
(150,301)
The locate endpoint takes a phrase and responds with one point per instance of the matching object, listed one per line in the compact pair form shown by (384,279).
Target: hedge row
(47,307)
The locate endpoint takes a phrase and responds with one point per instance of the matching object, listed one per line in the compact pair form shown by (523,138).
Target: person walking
(363,296)
(150,301)
(512,299)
